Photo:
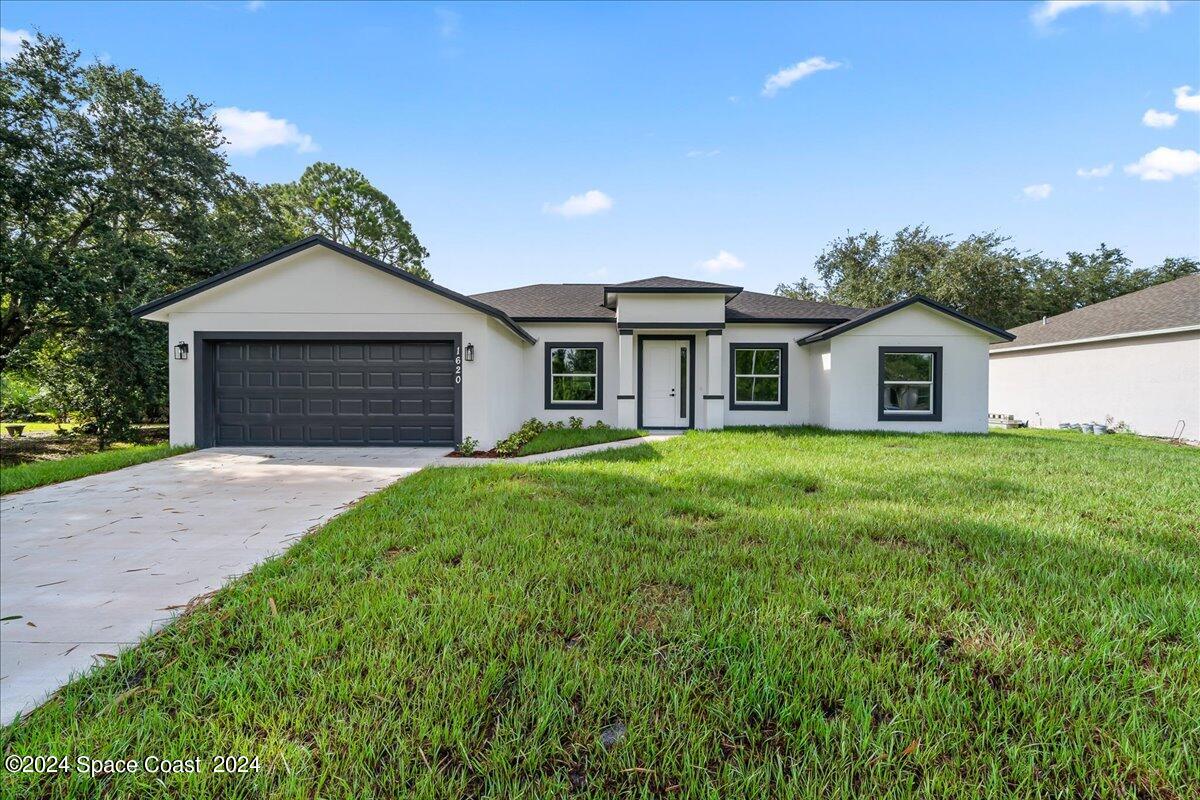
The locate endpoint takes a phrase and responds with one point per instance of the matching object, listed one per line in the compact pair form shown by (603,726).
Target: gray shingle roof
(758,306)
(585,301)
(667,282)
(1168,305)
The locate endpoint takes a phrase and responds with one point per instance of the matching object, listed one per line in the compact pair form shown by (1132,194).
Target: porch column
(626,400)
(714,398)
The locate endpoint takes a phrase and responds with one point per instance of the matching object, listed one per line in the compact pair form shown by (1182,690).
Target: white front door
(665,390)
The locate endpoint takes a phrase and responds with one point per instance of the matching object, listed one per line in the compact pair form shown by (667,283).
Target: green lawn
(37,427)
(769,613)
(564,438)
(41,473)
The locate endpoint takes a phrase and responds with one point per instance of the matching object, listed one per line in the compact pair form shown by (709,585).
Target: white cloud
(1095,172)
(1185,101)
(255,5)
(10,42)
(449,22)
(724,261)
(703,153)
(1159,119)
(1038,191)
(590,202)
(1046,12)
(248,132)
(1164,164)
(798,71)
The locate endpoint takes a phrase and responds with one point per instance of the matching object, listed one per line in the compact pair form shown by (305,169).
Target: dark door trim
(204,364)
(691,340)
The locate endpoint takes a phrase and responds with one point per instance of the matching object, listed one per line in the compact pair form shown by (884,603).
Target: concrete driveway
(90,566)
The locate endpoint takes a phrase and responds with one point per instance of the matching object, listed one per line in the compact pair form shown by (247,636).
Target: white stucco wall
(1150,383)
(531,377)
(798,411)
(854,371)
(663,308)
(320,291)
(820,362)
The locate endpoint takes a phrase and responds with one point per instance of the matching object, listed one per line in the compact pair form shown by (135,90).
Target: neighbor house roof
(667,282)
(314,241)
(584,302)
(891,308)
(1171,305)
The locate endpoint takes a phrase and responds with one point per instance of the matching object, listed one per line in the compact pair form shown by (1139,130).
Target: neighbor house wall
(1151,383)
(854,371)
(320,291)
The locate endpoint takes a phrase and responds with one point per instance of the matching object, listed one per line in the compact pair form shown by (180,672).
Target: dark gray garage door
(334,393)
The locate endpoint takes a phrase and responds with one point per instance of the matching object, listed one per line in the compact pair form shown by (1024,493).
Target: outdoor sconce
(181,351)
(470,352)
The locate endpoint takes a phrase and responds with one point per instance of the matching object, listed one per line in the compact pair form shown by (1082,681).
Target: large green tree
(341,204)
(110,194)
(982,275)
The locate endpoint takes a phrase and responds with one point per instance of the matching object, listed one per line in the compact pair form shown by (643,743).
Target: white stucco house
(317,344)
(1134,359)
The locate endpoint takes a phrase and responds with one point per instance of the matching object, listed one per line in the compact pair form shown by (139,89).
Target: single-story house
(1133,359)
(317,344)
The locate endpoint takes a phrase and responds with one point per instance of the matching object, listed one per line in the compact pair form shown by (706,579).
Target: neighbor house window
(758,377)
(573,375)
(910,383)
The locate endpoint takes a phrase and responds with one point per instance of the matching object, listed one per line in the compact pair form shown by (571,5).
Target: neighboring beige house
(317,344)
(1134,359)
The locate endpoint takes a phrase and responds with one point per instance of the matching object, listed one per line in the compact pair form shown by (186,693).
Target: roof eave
(870,316)
(311,241)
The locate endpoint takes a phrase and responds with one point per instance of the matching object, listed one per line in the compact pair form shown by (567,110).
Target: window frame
(935,412)
(547,376)
(782,403)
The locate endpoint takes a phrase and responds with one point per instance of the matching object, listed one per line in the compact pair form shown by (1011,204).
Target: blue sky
(664,125)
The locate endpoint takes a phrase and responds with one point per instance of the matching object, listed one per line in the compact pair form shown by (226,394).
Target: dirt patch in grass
(50,447)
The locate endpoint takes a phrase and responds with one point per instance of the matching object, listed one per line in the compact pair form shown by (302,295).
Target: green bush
(512,444)
(467,446)
(20,398)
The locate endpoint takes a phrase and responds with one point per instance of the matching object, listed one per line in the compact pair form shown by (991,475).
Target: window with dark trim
(910,383)
(574,375)
(758,376)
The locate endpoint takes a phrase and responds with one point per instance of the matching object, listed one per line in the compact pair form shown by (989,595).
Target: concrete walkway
(89,566)
(557,454)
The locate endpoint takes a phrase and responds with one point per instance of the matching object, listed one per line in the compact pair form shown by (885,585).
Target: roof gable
(313,241)
(891,308)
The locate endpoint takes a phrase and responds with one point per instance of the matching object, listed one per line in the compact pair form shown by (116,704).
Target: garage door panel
(334,393)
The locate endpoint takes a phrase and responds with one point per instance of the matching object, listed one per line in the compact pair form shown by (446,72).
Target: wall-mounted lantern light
(181,351)
(470,352)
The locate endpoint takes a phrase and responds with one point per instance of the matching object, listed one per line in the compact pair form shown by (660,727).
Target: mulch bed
(476,454)
(52,447)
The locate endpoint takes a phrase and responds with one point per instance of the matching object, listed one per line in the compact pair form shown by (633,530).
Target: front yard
(766,613)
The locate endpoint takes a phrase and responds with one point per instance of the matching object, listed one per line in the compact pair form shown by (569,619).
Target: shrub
(510,446)
(600,426)
(467,446)
(576,423)
(20,398)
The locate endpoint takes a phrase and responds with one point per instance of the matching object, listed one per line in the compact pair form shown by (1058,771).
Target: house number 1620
(458,364)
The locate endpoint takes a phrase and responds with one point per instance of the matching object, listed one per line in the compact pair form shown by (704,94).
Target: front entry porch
(670,379)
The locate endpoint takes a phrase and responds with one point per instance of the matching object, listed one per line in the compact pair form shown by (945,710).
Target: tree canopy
(983,275)
(112,194)
(341,204)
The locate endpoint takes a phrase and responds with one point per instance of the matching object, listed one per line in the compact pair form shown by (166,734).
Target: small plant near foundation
(467,446)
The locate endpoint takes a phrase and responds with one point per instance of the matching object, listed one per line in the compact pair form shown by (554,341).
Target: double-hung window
(573,375)
(758,377)
(910,383)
